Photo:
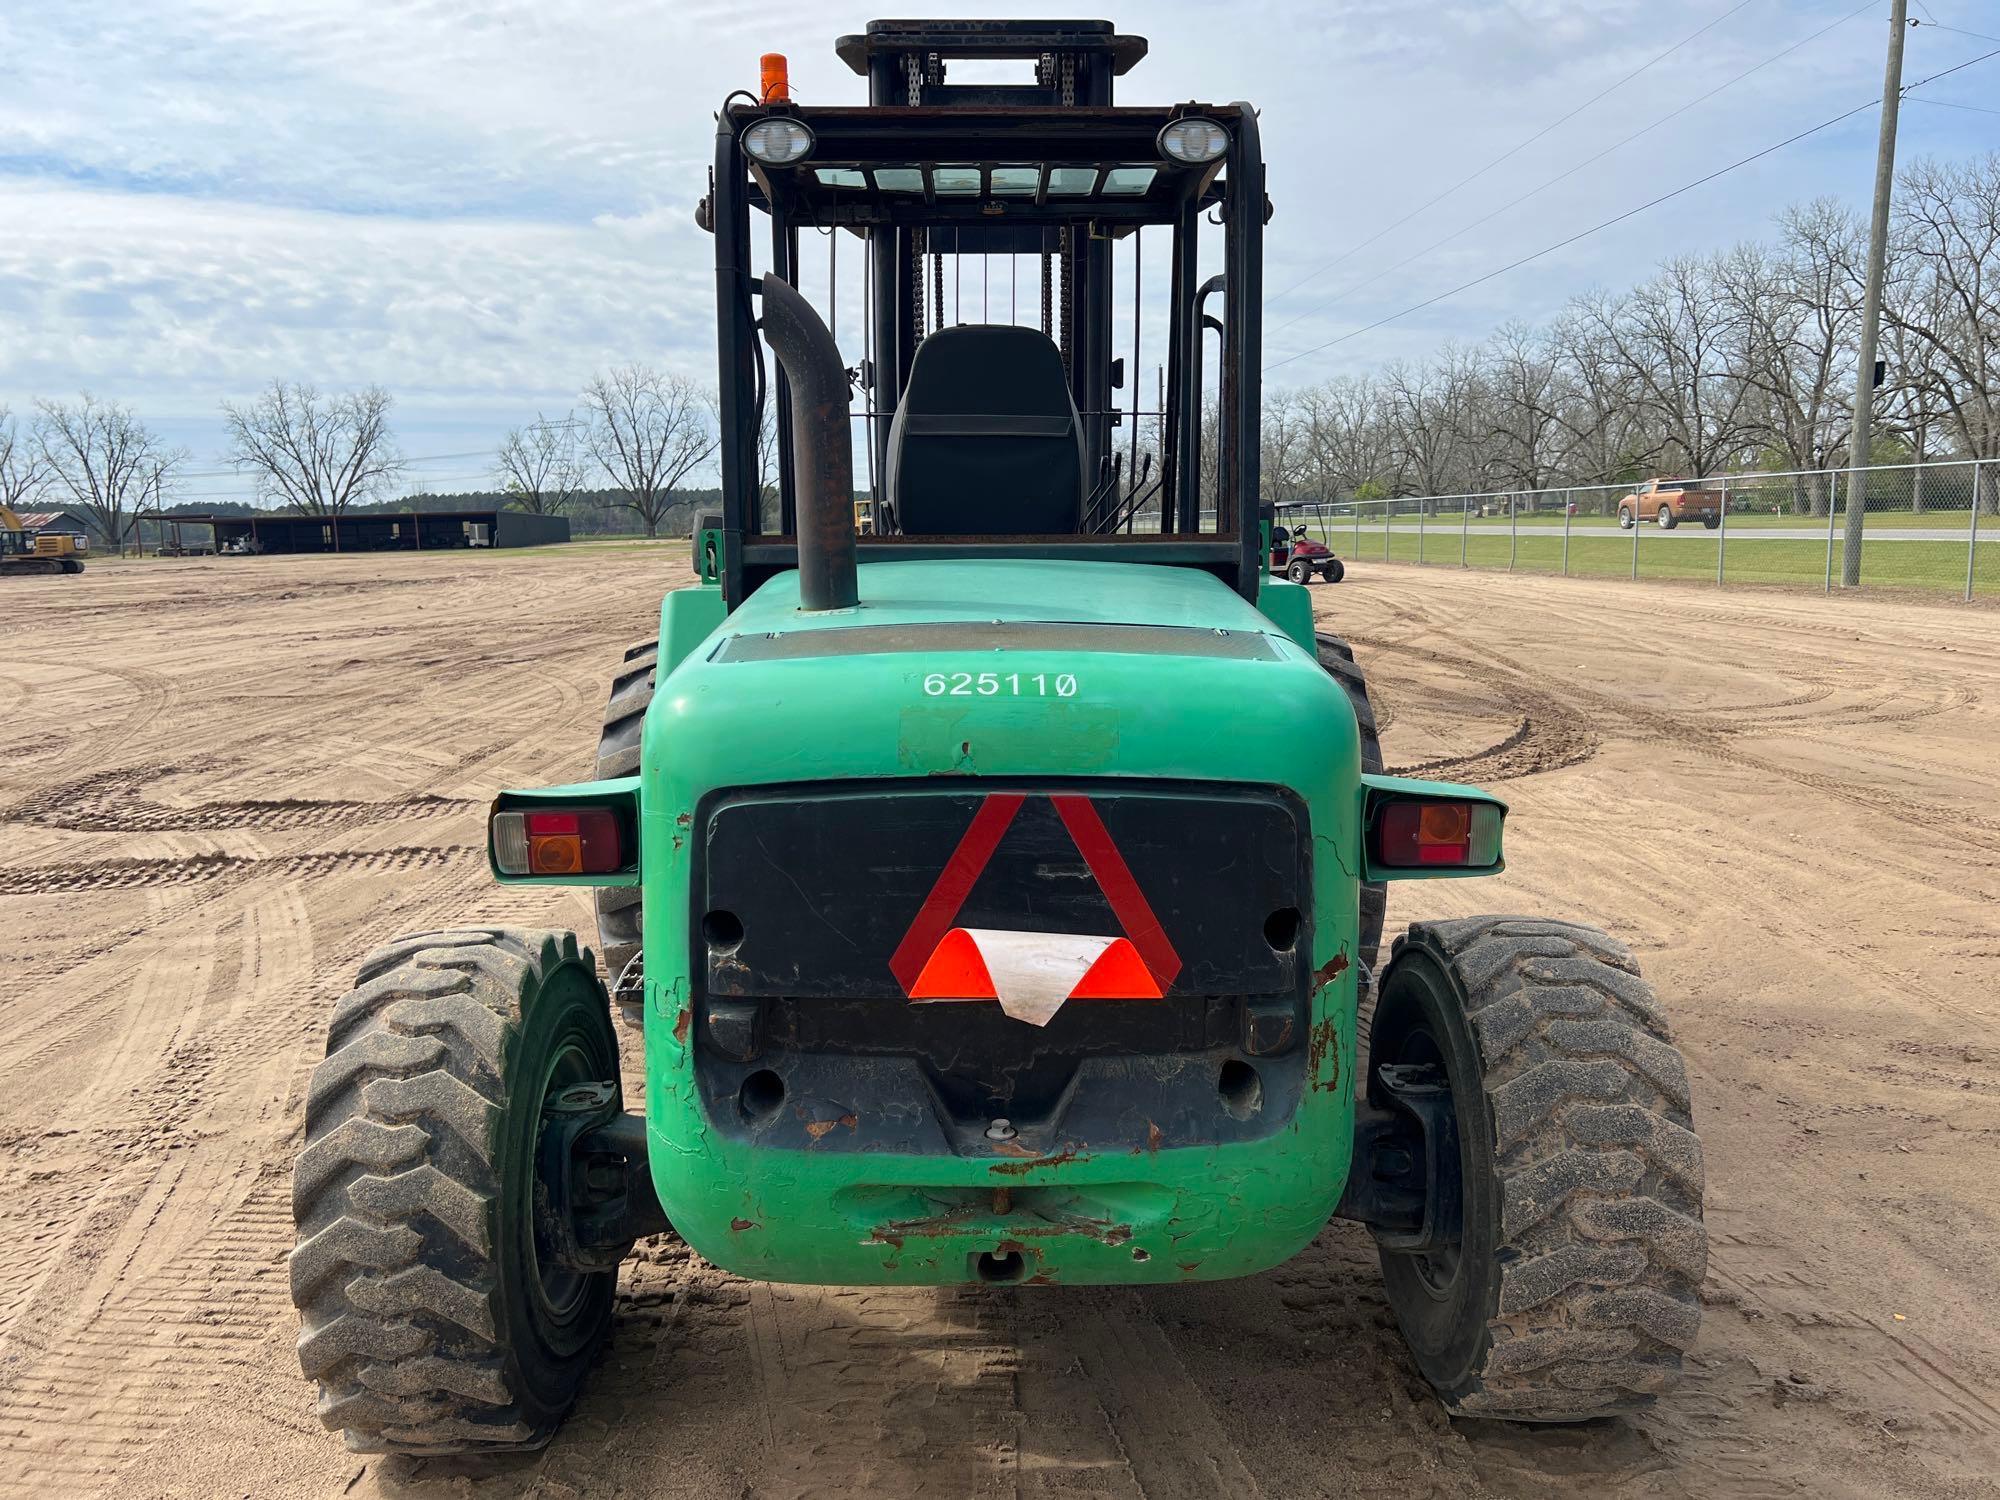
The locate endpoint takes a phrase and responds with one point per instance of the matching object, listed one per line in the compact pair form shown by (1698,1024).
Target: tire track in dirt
(152,691)
(1551,734)
(110,803)
(132,874)
(1571,703)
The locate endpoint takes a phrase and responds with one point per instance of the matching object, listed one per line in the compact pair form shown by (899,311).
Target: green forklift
(997,896)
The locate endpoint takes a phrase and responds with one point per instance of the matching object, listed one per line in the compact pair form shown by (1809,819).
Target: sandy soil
(223,781)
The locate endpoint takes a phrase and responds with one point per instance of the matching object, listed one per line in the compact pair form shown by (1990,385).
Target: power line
(1956,31)
(1628,214)
(1560,177)
(1581,235)
(1978,109)
(1509,154)
(422,458)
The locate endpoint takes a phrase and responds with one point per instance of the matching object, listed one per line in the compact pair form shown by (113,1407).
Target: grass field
(1597,548)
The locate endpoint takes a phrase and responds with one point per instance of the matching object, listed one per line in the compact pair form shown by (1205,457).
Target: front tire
(1625,521)
(1334,571)
(1711,522)
(1574,1286)
(436,1319)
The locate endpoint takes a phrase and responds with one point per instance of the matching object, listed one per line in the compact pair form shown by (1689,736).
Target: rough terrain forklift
(997,894)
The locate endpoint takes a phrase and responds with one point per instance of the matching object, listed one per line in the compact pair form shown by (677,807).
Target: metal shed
(401,531)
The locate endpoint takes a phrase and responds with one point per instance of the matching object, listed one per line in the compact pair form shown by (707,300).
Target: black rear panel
(815,907)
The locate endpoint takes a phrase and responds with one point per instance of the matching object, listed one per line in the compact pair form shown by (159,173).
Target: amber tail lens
(1435,834)
(557,841)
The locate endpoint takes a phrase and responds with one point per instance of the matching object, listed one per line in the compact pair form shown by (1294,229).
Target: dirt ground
(223,781)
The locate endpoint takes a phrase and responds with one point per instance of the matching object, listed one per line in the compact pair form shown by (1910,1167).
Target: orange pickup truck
(1670,502)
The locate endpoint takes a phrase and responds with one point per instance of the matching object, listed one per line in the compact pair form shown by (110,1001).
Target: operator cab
(996,259)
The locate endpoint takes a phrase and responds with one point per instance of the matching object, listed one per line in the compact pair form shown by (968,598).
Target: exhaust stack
(822,446)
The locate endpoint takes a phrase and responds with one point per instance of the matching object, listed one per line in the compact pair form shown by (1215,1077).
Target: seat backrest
(986,440)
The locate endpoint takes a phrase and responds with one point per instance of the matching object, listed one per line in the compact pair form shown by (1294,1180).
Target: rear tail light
(1434,834)
(558,841)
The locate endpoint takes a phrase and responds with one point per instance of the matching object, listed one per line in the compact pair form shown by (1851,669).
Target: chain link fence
(1932,527)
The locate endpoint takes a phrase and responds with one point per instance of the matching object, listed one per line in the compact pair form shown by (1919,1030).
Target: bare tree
(1605,438)
(540,466)
(1945,302)
(110,462)
(648,432)
(1428,409)
(1796,313)
(1678,342)
(316,454)
(1523,388)
(23,467)
(769,500)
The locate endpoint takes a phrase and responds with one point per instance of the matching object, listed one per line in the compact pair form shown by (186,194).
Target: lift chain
(1066,256)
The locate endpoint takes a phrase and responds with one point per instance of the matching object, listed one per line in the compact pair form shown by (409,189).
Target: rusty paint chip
(739,1225)
(1332,969)
(1068,1154)
(681,1024)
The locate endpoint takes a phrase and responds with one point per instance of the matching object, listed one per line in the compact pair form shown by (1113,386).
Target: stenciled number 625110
(1000,684)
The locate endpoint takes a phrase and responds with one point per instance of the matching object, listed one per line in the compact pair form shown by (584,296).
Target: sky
(478,205)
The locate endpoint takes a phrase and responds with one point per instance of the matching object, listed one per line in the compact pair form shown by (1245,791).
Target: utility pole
(1859,449)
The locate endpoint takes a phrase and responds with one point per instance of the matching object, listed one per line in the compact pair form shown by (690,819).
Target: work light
(1193,141)
(778,142)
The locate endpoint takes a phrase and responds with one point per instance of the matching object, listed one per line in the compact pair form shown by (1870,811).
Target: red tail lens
(1455,835)
(558,841)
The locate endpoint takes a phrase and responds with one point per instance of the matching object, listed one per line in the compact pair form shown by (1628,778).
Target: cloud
(475,204)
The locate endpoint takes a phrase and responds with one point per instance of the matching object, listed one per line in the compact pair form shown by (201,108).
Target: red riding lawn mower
(1295,554)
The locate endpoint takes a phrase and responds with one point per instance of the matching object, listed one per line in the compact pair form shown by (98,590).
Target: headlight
(1194,141)
(778,142)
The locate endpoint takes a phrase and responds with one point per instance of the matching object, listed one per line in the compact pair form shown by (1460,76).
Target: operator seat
(986,440)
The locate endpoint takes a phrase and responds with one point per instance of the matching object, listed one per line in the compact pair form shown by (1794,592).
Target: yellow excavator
(25,551)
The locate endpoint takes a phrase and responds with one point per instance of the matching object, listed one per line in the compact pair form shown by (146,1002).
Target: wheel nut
(1000,1130)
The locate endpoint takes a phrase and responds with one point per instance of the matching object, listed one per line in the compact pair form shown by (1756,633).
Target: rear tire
(619,937)
(1667,519)
(1711,522)
(1575,1286)
(1337,657)
(433,1319)
(1299,570)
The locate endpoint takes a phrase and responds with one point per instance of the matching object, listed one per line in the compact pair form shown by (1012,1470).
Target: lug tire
(1667,519)
(1338,658)
(1299,571)
(1576,1286)
(1334,571)
(426,1321)
(618,906)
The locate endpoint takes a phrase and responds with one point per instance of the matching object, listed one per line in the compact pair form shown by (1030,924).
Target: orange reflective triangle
(955,971)
(1118,974)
